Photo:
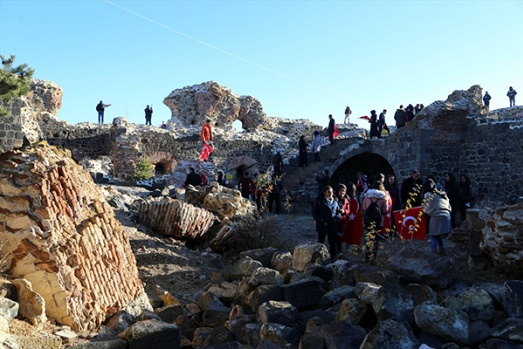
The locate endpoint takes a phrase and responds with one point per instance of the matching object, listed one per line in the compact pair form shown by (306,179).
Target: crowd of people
(342,213)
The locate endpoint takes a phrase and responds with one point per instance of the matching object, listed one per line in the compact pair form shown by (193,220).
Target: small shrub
(144,169)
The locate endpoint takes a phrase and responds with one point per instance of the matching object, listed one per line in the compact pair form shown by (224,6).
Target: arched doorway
(368,163)
(159,169)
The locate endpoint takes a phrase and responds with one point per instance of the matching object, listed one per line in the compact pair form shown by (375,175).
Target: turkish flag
(206,151)
(336,132)
(411,223)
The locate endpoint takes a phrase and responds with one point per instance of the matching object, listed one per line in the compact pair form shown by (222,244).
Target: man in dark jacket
(148,115)
(330,129)
(411,190)
(193,178)
(400,117)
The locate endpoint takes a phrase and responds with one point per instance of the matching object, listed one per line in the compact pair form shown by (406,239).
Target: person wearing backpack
(374,208)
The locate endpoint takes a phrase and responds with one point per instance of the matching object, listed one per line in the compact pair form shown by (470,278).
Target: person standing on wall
(302,145)
(382,124)
(148,114)
(100,108)
(330,129)
(316,146)
(400,117)
(512,96)
(347,115)
(486,99)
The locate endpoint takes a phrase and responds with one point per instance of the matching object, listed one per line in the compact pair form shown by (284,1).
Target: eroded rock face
(192,105)
(503,238)
(43,101)
(61,235)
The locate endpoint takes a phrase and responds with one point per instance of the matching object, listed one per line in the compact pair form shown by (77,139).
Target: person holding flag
(437,205)
(352,235)
(206,135)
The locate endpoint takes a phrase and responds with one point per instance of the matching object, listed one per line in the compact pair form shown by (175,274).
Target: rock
(171,312)
(390,334)
(375,275)
(277,312)
(32,305)
(265,276)
(351,310)
(119,321)
(392,301)
(281,261)
(343,274)
(419,266)
(265,293)
(447,324)
(152,333)
(305,254)
(366,291)
(219,335)
(8,308)
(336,296)
(478,332)
(215,315)
(513,298)
(304,293)
(225,291)
(510,329)
(262,255)
(106,343)
(186,326)
(500,344)
(342,334)
(477,303)
(280,334)
(421,294)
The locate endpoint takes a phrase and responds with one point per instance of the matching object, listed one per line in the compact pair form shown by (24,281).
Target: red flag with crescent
(411,223)
(206,151)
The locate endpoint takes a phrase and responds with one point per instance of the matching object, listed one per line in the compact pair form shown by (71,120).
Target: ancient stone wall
(61,235)
(11,135)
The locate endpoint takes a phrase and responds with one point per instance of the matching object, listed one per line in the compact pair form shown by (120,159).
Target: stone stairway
(300,182)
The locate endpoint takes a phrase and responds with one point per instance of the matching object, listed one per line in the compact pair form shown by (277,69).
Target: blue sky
(300,59)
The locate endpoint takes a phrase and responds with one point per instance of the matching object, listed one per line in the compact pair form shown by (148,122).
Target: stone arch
(164,163)
(242,164)
(367,162)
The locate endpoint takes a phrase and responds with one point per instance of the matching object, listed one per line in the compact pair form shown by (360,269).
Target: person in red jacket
(206,132)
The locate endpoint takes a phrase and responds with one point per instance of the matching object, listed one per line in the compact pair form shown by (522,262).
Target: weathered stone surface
(281,261)
(390,334)
(513,298)
(477,303)
(503,238)
(366,291)
(32,305)
(265,276)
(448,325)
(375,275)
(309,253)
(152,334)
(351,310)
(304,293)
(510,329)
(280,334)
(263,255)
(392,301)
(174,217)
(265,293)
(478,332)
(278,312)
(62,237)
(419,266)
(8,308)
(336,296)
(194,104)
(343,334)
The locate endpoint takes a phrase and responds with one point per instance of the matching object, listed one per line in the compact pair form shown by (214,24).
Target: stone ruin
(60,234)
(75,254)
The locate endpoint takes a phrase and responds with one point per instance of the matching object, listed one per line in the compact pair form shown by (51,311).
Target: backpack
(373,214)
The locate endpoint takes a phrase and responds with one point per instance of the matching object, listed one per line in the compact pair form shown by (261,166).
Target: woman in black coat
(326,214)
(302,145)
(466,195)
